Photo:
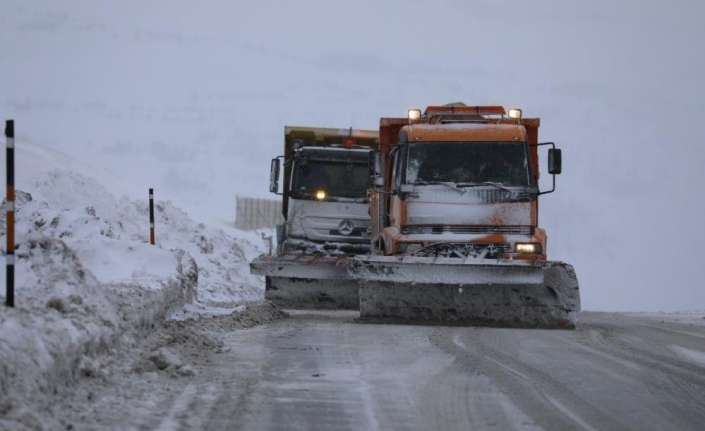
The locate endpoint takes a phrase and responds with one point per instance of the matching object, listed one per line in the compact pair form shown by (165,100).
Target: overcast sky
(192,98)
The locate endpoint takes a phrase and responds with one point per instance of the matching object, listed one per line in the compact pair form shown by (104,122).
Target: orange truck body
(504,224)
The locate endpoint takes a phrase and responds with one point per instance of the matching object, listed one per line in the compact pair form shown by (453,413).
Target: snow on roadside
(695,356)
(693,317)
(88,282)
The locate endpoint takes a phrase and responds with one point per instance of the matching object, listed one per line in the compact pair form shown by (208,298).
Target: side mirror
(554,165)
(554,161)
(376,170)
(274,176)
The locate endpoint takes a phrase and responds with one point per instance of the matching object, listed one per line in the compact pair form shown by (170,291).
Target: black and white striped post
(151,217)
(10,207)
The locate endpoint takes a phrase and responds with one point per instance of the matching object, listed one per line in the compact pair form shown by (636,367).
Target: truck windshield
(337,179)
(468,162)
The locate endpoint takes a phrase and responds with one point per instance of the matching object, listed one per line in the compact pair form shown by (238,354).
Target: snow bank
(88,281)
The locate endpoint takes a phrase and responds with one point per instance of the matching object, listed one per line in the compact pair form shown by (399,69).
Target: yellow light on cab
(320,194)
(414,114)
(514,113)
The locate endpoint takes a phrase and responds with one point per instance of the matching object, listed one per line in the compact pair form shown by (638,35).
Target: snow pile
(88,282)
(221,253)
(109,237)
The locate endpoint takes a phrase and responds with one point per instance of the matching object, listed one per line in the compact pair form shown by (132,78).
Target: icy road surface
(324,371)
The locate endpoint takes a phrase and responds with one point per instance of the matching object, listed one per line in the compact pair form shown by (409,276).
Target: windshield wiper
(444,183)
(486,183)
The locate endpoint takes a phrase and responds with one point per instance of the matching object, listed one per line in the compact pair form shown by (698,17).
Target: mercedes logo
(346,227)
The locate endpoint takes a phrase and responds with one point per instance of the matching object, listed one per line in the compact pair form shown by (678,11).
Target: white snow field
(88,283)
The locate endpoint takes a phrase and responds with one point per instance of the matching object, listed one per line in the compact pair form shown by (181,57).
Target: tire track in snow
(178,408)
(676,382)
(565,410)
(530,389)
(188,409)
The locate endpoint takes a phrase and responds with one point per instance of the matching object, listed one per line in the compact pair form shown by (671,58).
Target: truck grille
(491,196)
(464,250)
(468,230)
(357,232)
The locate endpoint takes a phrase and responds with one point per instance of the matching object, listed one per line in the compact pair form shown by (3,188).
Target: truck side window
(399,157)
(396,162)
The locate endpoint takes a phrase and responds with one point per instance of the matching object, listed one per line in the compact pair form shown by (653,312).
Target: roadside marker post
(10,214)
(151,217)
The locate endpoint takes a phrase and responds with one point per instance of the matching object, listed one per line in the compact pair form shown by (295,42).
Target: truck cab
(461,182)
(327,210)
(325,181)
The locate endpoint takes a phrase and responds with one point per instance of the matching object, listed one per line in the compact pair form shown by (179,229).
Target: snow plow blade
(458,291)
(307,282)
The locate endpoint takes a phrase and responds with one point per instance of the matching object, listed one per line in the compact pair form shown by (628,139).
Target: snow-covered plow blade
(301,281)
(458,291)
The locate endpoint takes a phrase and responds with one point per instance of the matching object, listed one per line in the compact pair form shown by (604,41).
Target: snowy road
(324,371)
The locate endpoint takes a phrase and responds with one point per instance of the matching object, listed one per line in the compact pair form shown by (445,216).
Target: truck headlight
(320,194)
(527,247)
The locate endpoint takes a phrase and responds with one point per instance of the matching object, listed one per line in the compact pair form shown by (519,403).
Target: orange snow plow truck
(454,207)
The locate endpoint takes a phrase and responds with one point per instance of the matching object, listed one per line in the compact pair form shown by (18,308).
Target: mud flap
(452,291)
(307,282)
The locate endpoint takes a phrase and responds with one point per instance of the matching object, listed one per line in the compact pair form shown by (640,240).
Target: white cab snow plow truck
(454,223)
(325,208)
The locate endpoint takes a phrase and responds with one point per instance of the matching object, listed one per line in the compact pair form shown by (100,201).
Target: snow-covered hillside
(88,281)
